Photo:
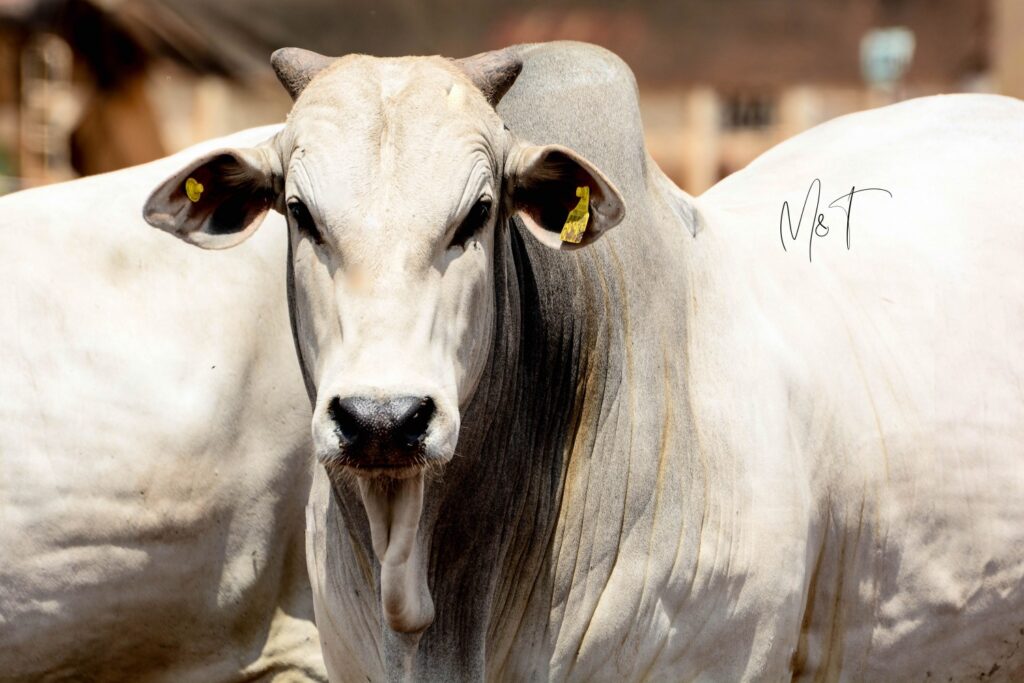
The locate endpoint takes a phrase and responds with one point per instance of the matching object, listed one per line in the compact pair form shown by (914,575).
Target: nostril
(370,423)
(346,424)
(413,427)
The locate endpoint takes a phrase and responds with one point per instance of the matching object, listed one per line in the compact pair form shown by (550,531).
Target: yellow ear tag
(576,221)
(194,189)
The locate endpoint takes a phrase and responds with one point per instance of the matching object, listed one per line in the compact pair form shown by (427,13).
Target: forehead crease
(358,151)
(426,198)
(376,82)
(379,136)
(385,222)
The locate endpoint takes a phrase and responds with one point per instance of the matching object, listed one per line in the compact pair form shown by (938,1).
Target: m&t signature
(818,226)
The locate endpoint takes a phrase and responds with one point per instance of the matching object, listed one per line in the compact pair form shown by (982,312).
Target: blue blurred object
(885,54)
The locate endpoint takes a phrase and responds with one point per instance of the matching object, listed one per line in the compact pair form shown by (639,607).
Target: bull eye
(304,221)
(471,225)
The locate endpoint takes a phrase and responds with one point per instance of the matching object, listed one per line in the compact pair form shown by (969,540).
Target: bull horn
(493,72)
(296,67)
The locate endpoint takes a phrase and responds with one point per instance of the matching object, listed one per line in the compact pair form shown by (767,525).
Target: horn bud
(493,72)
(296,67)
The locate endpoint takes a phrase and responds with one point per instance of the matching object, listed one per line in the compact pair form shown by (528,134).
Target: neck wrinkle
(490,516)
(552,353)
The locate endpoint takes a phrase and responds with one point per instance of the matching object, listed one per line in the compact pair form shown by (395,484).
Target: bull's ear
(217,201)
(547,184)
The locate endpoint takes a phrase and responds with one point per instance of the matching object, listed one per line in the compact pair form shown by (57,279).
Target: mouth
(378,466)
(385,470)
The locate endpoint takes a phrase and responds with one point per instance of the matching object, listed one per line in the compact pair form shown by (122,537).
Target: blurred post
(799,109)
(703,113)
(48,110)
(1008,47)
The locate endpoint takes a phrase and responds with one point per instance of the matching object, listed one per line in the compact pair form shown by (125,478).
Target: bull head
(396,176)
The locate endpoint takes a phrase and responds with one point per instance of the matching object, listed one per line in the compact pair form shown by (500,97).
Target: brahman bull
(728,441)
(154,447)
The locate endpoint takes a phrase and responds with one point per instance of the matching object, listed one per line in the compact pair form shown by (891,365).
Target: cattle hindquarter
(902,396)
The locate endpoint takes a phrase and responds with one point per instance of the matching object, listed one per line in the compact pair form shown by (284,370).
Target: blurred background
(88,86)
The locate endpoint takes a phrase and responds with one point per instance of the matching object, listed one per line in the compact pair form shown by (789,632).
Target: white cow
(676,448)
(154,447)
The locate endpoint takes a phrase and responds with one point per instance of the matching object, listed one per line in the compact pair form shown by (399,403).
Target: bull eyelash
(304,220)
(475,220)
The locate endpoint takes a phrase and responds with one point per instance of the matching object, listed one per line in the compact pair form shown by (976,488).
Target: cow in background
(154,447)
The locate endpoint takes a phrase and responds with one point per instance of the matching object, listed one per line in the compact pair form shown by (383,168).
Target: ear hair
(544,187)
(217,201)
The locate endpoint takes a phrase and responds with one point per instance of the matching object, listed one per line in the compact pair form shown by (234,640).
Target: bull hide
(154,447)
(724,441)
(695,455)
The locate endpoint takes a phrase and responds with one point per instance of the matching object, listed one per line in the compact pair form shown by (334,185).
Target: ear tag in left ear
(194,189)
(576,221)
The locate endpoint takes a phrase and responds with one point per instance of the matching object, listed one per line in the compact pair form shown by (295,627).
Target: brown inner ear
(550,192)
(232,195)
